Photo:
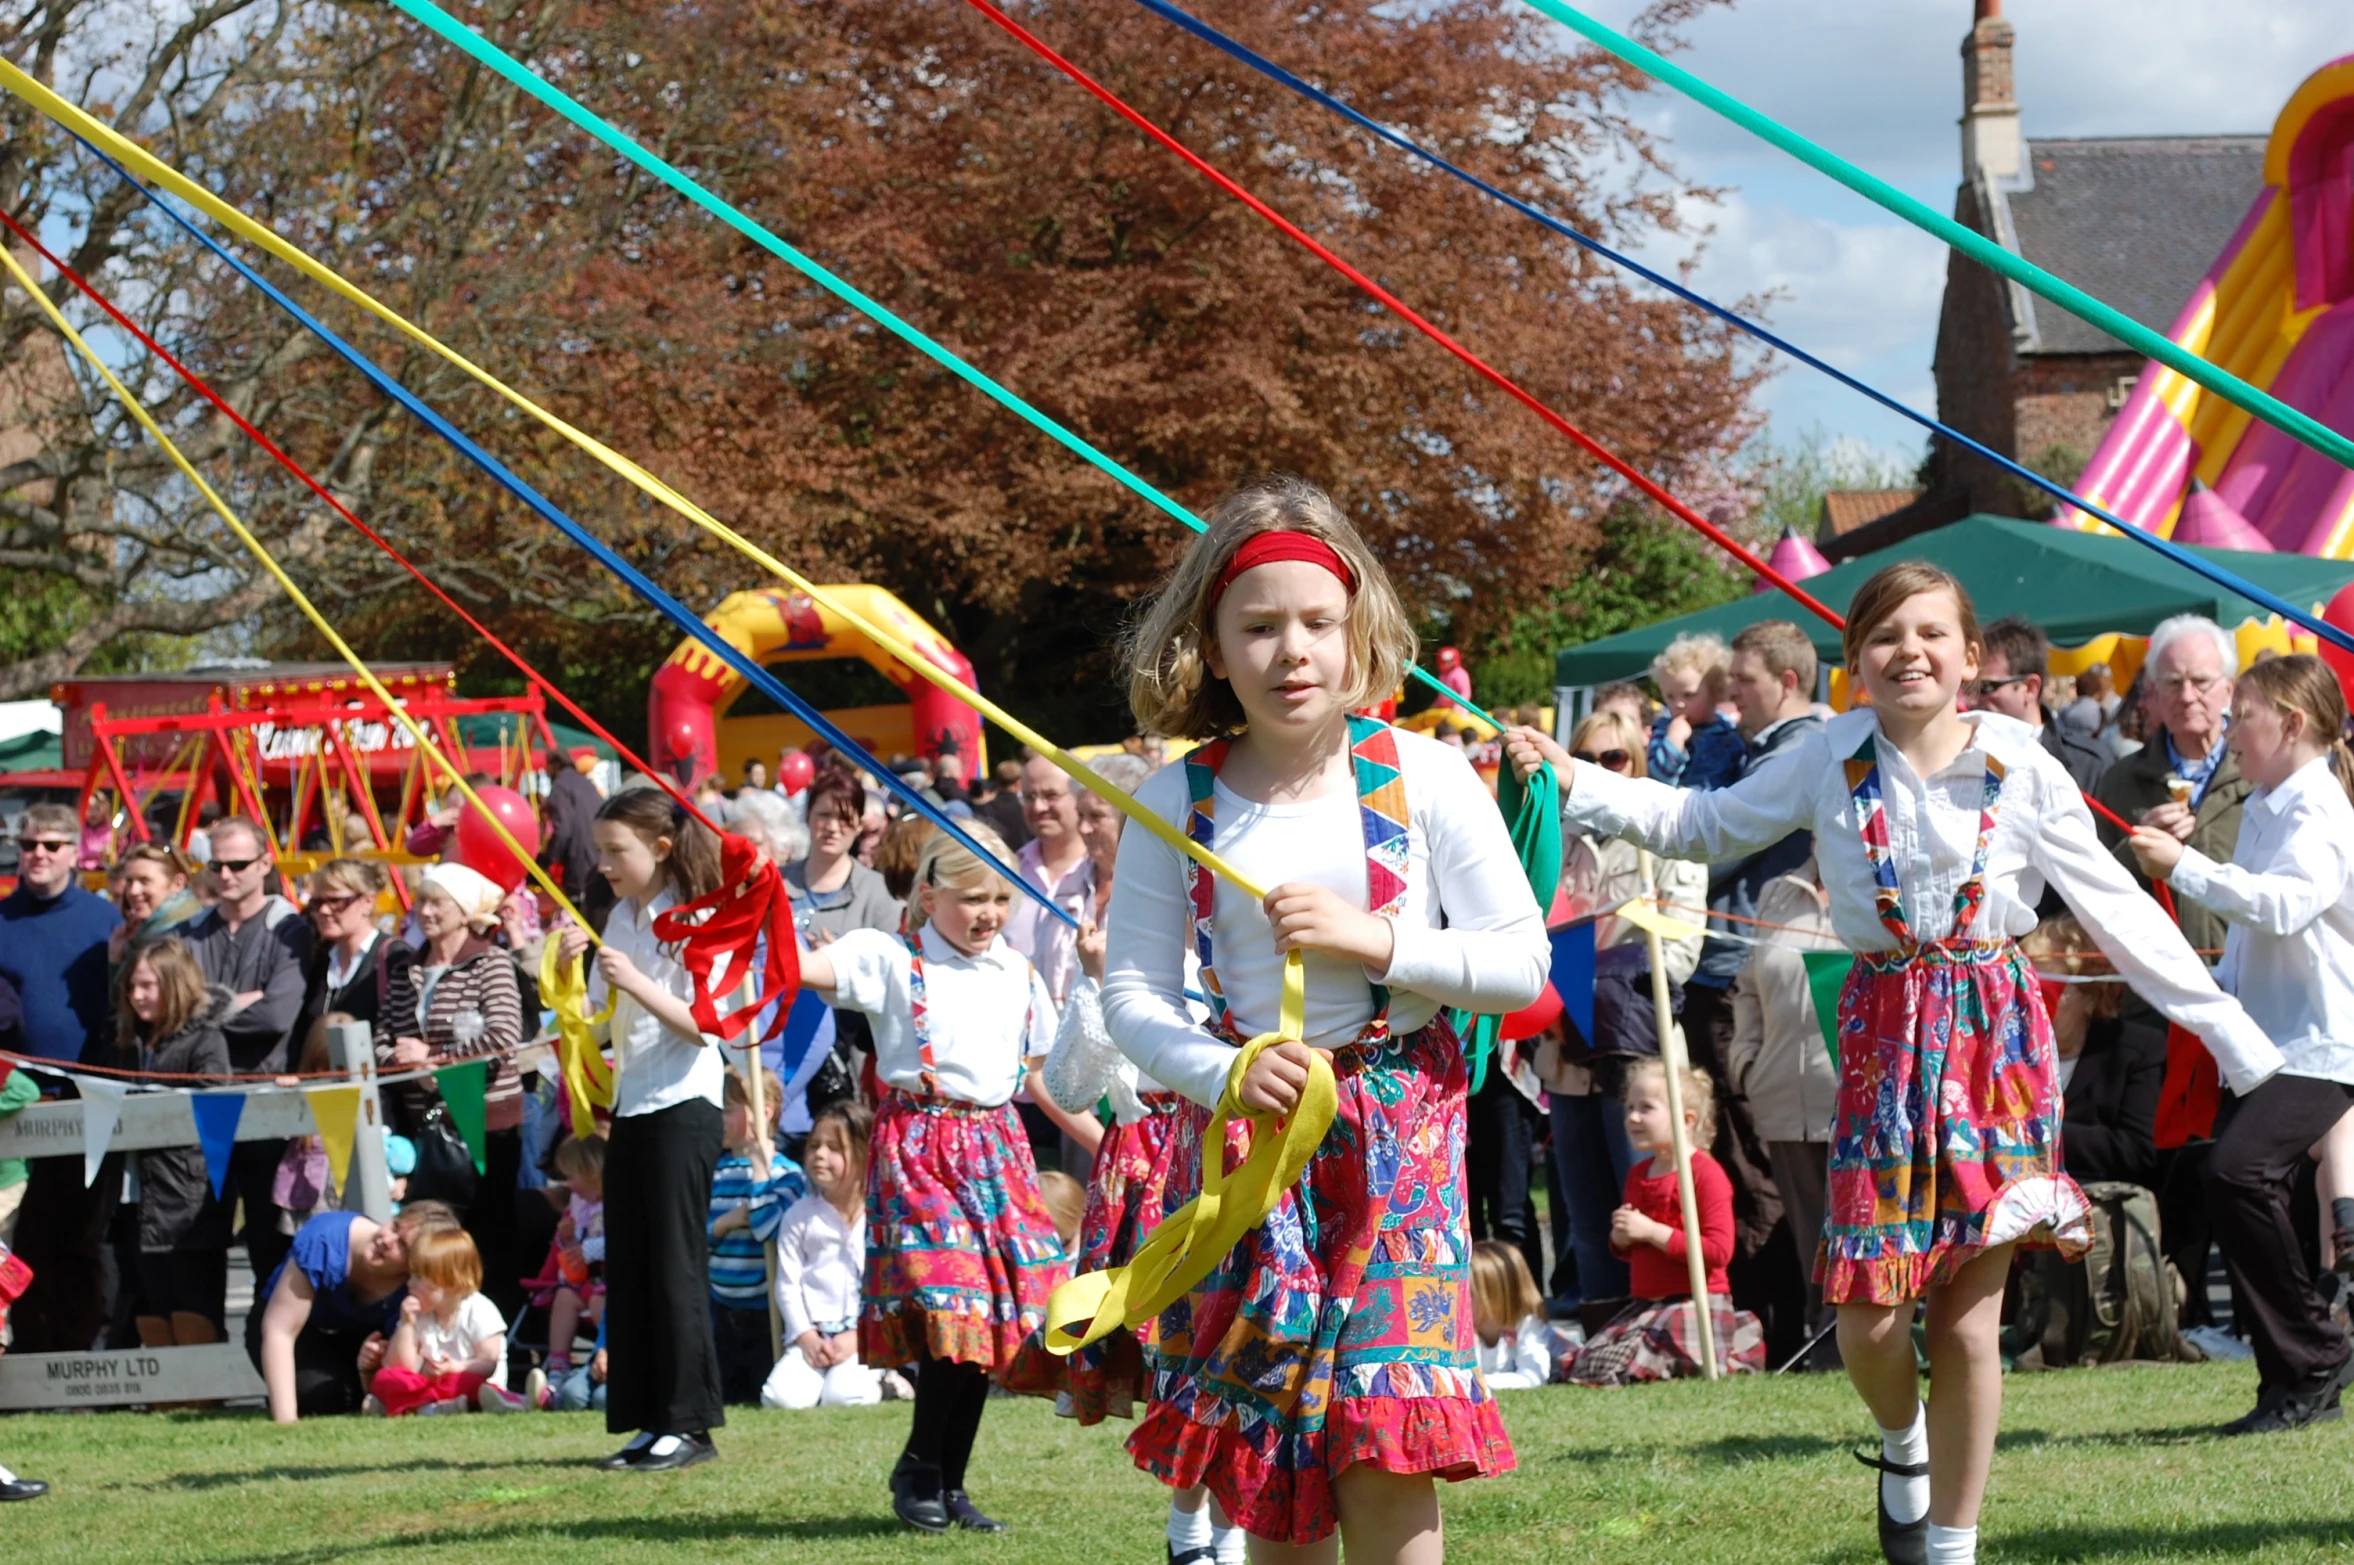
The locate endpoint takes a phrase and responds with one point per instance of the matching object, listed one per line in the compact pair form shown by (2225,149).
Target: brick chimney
(1991,144)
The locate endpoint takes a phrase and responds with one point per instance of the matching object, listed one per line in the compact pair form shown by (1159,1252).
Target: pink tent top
(2209,522)
(1795,558)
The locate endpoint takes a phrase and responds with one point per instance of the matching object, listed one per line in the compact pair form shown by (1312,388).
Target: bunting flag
(1826,977)
(335,1111)
(802,1025)
(102,1110)
(217,1114)
(1644,914)
(1573,975)
(462,1087)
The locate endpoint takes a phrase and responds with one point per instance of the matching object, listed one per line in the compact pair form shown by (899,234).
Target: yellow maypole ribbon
(1195,1237)
(262,556)
(588,1078)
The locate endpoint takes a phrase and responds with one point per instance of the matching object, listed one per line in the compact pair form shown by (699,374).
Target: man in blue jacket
(53,937)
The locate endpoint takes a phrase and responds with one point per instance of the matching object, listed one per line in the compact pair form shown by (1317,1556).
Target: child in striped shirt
(745,1212)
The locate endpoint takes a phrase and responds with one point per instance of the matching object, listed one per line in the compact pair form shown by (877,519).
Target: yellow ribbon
(139,160)
(588,1077)
(1195,1237)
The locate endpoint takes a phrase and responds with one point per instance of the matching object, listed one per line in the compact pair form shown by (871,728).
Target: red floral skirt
(1125,1194)
(1340,1330)
(960,1252)
(1945,1141)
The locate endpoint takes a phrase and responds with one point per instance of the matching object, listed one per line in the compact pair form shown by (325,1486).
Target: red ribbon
(728,923)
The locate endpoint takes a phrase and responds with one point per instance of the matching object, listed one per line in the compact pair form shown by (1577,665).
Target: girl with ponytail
(2288,898)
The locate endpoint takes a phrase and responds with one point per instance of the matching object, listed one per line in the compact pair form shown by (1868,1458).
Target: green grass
(2102,1465)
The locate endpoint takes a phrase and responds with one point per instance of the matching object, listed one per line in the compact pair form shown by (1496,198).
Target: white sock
(6,1476)
(1233,1545)
(1907,1499)
(1952,1545)
(663,1445)
(1188,1529)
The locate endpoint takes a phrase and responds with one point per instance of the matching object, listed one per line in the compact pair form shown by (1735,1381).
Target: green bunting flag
(462,1087)
(1826,976)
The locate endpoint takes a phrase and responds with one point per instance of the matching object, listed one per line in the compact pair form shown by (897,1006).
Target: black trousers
(744,1356)
(327,1380)
(61,1234)
(184,1282)
(490,1220)
(1501,1134)
(664,1369)
(2261,1142)
(253,1171)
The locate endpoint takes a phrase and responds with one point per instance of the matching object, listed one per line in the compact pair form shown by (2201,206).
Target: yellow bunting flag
(1645,914)
(1198,1235)
(335,1111)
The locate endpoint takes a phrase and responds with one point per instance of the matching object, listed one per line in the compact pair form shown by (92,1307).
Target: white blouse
(655,1068)
(1469,935)
(820,1259)
(2288,895)
(2043,835)
(989,1015)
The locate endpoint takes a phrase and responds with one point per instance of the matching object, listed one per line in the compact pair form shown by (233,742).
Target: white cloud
(1880,82)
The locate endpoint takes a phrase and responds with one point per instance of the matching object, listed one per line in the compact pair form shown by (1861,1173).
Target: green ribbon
(1826,977)
(462,1088)
(1977,247)
(1532,811)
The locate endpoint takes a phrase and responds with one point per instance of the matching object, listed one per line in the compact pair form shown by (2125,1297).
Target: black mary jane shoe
(1901,1543)
(963,1512)
(916,1498)
(691,1451)
(627,1456)
(22,1489)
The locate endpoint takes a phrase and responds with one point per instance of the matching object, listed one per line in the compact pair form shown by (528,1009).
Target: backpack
(2121,1302)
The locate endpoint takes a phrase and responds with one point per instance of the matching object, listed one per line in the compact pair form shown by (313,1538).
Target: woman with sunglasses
(1590,1150)
(353,965)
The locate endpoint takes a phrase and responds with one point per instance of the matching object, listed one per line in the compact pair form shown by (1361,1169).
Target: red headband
(1268,547)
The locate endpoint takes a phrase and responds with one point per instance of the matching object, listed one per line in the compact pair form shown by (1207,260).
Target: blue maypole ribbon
(2166,546)
(638,582)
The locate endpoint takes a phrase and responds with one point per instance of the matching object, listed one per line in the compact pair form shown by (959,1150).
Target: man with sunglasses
(255,945)
(53,937)
(2012,672)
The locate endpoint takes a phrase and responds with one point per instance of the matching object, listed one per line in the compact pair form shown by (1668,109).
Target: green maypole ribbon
(1532,812)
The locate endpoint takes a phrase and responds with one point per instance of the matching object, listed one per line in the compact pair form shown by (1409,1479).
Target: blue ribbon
(2172,550)
(638,582)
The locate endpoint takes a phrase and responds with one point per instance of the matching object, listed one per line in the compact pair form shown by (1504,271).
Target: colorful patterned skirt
(1340,1330)
(960,1251)
(1126,1191)
(1659,1339)
(1946,1138)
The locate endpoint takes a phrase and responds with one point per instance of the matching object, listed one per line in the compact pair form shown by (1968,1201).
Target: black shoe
(967,1515)
(916,1498)
(1901,1543)
(691,1451)
(627,1456)
(2315,1402)
(22,1489)
(1202,1554)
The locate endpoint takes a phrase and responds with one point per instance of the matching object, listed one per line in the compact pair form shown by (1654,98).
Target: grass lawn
(2095,1465)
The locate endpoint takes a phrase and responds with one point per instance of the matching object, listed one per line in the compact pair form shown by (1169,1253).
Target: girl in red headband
(1326,1370)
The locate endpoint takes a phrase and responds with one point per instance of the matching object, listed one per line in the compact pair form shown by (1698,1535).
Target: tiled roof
(1844,510)
(2133,221)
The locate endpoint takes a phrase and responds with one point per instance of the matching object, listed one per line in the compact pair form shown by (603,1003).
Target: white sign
(149,1120)
(54,1380)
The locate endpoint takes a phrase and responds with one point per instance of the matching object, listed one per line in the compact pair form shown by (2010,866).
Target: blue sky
(1879,81)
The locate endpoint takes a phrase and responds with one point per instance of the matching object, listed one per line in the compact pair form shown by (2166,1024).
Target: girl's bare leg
(1965,1386)
(2334,1179)
(1876,1343)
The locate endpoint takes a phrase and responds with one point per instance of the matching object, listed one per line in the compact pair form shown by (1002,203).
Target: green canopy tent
(2075,585)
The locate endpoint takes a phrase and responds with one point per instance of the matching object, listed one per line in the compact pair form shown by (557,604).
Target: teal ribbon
(1532,811)
(1977,247)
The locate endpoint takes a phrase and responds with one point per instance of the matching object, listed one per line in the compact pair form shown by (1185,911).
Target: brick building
(2134,221)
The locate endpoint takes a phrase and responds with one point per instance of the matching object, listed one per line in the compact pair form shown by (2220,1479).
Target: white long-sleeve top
(2288,895)
(988,1015)
(1469,934)
(820,1259)
(1520,1360)
(655,1068)
(2043,835)
(1085,1065)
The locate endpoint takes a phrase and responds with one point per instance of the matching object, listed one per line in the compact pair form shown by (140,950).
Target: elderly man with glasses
(53,937)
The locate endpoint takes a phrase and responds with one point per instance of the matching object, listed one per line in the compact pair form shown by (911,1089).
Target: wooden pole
(763,1164)
(1671,1056)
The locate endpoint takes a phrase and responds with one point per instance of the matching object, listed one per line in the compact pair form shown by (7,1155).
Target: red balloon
(477,846)
(2341,614)
(795,771)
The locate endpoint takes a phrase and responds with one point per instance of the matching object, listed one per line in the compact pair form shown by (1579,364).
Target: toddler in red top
(1657,1336)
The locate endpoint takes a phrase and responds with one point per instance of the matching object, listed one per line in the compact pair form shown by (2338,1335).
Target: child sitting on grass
(1656,1337)
(450,1340)
(1517,1345)
(820,1264)
(745,1211)
(579,1251)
